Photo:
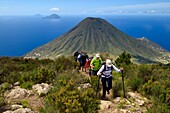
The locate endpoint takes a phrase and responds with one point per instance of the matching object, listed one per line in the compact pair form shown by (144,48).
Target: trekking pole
(97,86)
(90,71)
(123,87)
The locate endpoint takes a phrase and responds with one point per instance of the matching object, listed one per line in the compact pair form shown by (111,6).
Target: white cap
(108,62)
(97,55)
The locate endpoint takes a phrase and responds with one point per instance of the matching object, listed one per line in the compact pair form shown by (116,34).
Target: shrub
(145,72)
(2,102)
(117,88)
(25,103)
(63,63)
(65,96)
(135,82)
(45,75)
(95,82)
(158,107)
(27,85)
(123,59)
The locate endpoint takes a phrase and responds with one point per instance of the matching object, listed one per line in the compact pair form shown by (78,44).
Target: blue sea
(21,34)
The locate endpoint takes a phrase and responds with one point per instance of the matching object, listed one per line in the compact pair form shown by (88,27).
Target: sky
(83,7)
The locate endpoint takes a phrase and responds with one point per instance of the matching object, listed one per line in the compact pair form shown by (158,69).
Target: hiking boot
(108,92)
(103,98)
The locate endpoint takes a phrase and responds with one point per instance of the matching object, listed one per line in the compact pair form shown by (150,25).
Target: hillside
(94,35)
(47,86)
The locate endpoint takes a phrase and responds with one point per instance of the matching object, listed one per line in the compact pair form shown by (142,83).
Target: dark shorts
(94,72)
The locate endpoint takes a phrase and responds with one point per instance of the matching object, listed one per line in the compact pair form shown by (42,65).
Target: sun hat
(108,62)
(97,55)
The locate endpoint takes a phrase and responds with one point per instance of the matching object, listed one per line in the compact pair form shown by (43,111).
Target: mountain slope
(94,35)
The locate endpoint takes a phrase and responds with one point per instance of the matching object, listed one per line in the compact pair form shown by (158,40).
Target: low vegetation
(150,80)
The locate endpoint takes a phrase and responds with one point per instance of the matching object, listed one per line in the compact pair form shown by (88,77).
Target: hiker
(87,65)
(106,76)
(79,58)
(95,64)
(76,55)
(84,60)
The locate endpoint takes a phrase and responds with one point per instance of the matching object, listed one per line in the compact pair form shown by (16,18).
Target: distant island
(37,15)
(52,16)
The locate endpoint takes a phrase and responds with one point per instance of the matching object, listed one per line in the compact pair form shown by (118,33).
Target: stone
(42,88)
(105,104)
(23,110)
(117,100)
(84,86)
(8,111)
(20,110)
(15,107)
(18,93)
(16,84)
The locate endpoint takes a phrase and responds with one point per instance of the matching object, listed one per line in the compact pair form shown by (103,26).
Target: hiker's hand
(121,69)
(92,66)
(99,74)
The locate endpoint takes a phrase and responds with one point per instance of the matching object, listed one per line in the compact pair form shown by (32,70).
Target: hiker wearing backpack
(95,64)
(76,55)
(106,76)
(79,58)
(84,59)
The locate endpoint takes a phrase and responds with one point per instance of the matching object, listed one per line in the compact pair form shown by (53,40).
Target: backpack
(79,57)
(110,68)
(87,65)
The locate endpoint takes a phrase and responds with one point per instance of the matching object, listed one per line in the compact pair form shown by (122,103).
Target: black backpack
(111,68)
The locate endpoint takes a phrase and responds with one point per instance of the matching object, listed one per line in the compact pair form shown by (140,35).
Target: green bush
(65,96)
(145,72)
(158,107)
(135,82)
(123,59)
(2,102)
(117,88)
(65,63)
(45,75)
(25,103)
(95,82)
(27,85)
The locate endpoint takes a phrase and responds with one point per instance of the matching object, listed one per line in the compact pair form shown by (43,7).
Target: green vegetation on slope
(152,81)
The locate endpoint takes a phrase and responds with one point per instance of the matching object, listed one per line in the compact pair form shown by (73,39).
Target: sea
(21,34)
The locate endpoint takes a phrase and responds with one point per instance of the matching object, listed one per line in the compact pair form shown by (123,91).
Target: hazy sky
(84,7)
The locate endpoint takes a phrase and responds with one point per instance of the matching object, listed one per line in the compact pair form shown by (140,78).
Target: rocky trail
(21,100)
(133,103)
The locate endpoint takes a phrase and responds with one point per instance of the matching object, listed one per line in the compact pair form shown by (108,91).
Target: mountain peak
(94,21)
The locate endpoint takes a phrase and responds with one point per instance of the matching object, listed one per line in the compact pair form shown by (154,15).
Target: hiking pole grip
(123,87)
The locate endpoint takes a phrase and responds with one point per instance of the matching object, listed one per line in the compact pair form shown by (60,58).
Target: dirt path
(134,103)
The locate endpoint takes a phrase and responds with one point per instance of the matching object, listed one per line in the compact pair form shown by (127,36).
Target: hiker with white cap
(95,64)
(106,76)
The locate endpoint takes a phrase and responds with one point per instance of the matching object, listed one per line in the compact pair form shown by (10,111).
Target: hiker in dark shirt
(76,55)
(79,58)
(84,60)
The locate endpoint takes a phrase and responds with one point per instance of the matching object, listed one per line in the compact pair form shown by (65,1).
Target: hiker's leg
(104,87)
(109,83)
(94,72)
(90,71)
(84,68)
(79,65)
